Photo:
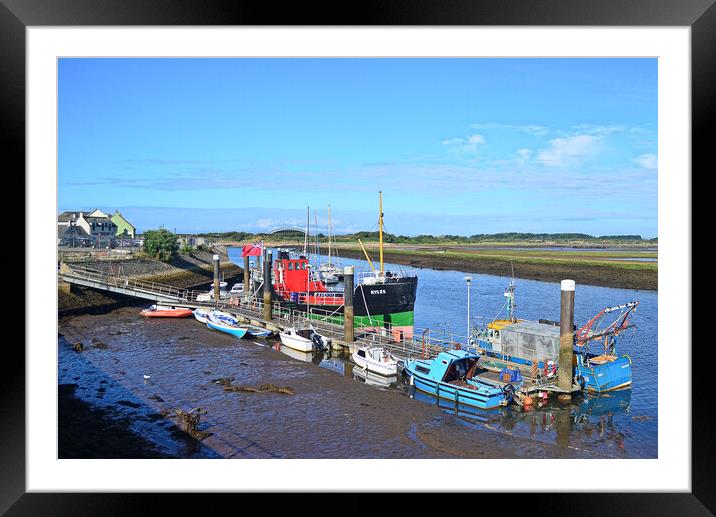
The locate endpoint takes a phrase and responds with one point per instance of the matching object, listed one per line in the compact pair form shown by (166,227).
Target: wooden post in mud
(216,279)
(247,275)
(348,331)
(267,285)
(566,336)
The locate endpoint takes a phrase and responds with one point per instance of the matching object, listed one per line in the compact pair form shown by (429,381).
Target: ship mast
(305,238)
(329,235)
(380,225)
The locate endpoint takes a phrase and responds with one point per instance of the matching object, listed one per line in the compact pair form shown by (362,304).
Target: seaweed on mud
(264,388)
(189,422)
(98,344)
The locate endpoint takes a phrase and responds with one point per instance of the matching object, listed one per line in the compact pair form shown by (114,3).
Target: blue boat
(221,324)
(598,368)
(253,331)
(457,375)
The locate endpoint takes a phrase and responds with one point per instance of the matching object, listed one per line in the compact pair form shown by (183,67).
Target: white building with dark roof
(95,226)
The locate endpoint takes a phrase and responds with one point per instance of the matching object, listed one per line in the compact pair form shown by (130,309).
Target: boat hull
(491,400)
(168,313)
(201,315)
(385,369)
(238,332)
(388,305)
(258,332)
(452,375)
(296,343)
(607,376)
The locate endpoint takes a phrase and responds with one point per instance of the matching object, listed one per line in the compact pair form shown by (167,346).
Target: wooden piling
(267,285)
(566,336)
(216,279)
(348,330)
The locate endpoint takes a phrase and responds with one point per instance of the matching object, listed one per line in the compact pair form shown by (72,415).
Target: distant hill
(531,238)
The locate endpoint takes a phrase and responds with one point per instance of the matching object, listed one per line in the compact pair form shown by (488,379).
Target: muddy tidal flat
(131,377)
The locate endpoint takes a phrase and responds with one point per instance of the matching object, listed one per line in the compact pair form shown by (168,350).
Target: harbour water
(140,370)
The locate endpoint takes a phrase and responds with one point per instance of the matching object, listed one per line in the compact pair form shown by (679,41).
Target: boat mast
(305,237)
(329,235)
(380,225)
(318,249)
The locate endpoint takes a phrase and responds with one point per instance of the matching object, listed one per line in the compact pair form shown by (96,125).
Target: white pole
(468,279)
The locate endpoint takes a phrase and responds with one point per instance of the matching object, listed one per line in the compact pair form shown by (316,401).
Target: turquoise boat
(221,324)
(457,375)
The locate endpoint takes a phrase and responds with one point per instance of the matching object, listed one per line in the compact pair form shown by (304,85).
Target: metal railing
(125,282)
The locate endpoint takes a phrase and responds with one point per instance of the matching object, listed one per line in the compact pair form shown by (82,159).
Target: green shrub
(161,244)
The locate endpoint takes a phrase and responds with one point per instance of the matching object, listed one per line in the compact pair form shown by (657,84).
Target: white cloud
(569,151)
(524,156)
(468,144)
(454,141)
(648,161)
(533,129)
(599,130)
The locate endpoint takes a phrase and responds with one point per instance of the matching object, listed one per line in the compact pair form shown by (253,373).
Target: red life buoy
(550,369)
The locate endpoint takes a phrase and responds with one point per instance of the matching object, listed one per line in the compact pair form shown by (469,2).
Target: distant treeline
(441,239)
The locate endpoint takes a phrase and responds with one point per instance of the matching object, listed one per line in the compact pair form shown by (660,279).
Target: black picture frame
(699,15)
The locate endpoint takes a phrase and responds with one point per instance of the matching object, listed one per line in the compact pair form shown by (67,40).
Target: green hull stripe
(398,319)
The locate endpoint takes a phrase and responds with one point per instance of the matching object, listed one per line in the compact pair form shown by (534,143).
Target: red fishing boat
(163,311)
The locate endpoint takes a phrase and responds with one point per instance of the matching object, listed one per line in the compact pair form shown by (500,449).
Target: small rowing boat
(201,315)
(163,311)
(253,331)
(222,324)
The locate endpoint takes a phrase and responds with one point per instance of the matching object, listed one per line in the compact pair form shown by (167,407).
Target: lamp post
(468,279)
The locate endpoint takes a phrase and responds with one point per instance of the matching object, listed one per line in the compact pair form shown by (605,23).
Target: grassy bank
(608,269)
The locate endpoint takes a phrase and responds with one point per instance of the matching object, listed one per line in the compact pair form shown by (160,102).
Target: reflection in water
(374,379)
(587,422)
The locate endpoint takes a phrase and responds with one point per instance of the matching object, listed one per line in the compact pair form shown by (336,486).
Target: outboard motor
(317,341)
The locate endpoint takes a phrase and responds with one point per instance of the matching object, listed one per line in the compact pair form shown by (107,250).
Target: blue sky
(458,146)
